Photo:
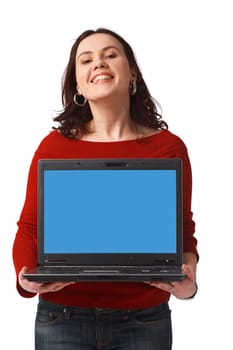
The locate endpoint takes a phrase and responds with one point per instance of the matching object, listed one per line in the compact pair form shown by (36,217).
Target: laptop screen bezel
(111,259)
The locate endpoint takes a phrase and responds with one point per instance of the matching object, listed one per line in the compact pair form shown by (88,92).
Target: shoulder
(52,144)
(173,139)
(168,141)
(50,138)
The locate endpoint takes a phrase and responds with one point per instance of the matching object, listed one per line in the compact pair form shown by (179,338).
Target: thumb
(188,271)
(23,270)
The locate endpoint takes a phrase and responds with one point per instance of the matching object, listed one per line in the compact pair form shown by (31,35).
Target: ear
(133,76)
(78,90)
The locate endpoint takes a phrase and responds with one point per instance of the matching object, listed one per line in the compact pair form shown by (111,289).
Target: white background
(184,49)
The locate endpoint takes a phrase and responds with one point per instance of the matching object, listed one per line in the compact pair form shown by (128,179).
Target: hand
(34,287)
(182,289)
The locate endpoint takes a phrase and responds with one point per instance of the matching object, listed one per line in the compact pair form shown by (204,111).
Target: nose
(100,63)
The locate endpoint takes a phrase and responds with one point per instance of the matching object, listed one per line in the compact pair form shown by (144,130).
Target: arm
(25,244)
(187,288)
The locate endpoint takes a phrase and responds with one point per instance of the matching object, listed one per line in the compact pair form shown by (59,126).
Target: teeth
(101,77)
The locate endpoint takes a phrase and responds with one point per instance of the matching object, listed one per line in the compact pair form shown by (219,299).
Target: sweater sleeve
(25,243)
(189,240)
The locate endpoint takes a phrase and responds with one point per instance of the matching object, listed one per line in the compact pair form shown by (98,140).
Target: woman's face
(102,68)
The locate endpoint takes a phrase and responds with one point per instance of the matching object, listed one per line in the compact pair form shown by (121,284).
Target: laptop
(109,220)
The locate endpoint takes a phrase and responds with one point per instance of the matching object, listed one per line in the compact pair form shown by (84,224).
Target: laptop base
(109,274)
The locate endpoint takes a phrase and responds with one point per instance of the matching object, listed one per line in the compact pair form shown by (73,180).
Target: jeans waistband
(61,307)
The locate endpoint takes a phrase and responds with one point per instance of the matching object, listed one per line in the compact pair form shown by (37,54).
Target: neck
(110,123)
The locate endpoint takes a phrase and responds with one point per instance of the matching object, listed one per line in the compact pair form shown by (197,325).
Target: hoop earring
(76,101)
(133,88)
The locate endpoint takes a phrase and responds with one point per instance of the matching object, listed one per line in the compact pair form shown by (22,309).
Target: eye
(111,55)
(85,61)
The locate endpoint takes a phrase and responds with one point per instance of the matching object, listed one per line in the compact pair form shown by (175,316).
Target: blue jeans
(71,328)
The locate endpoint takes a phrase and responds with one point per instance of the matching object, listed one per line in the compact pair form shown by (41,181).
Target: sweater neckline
(137,140)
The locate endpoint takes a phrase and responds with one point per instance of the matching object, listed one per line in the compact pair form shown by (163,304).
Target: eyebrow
(103,49)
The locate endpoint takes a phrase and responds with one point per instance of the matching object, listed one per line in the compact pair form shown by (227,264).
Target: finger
(53,287)
(168,287)
(23,270)
(153,284)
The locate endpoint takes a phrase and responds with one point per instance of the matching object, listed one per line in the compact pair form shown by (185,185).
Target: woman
(108,113)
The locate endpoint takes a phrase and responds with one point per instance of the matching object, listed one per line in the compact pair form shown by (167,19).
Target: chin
(102,96)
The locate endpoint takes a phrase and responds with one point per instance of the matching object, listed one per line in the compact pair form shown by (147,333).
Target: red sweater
(94,294)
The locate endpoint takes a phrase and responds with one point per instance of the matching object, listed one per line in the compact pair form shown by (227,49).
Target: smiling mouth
(101,77)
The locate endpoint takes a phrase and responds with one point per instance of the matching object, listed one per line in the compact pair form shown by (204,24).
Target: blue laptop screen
(109,211)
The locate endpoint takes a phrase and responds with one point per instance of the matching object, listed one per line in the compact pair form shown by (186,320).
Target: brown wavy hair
(144,109)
